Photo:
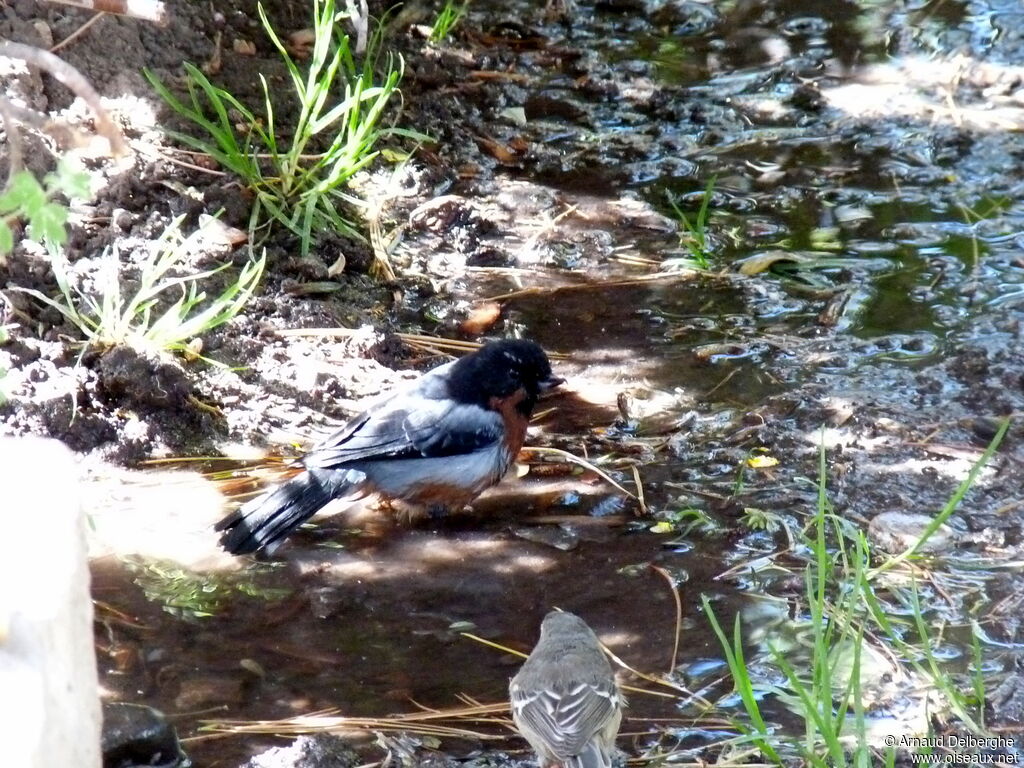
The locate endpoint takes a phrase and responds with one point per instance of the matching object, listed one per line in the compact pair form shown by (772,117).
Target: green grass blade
(741,679)
(951,505)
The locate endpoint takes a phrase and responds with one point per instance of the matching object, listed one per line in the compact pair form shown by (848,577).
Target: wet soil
(865,290)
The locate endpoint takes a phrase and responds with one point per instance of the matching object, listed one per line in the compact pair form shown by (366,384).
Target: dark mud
(865,289)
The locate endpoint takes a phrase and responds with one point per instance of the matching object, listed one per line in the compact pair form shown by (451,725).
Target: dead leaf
(338,266)
(193,350)
(500,152)
(212,67)
(762,262)
(216,231)
(310,289)
(481,318)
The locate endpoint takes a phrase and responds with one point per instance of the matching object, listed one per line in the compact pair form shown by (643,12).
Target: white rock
(49,691)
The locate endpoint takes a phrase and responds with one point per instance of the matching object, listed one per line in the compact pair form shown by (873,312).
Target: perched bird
(565,701)
(439,442)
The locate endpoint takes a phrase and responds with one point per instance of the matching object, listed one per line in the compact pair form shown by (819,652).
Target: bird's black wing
(410,425)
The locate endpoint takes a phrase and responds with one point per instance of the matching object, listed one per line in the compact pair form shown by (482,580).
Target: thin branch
(74,81)
(15,155)
(77,33)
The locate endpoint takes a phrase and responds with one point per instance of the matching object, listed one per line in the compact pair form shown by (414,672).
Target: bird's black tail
(265,521)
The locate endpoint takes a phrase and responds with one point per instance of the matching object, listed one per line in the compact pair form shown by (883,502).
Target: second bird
(440,442)
(565,700)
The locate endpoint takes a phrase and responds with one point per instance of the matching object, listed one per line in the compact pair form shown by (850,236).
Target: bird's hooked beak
(548,384)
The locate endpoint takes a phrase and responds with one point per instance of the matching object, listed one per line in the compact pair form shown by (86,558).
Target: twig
(14,151)
(76,82)
(77,33)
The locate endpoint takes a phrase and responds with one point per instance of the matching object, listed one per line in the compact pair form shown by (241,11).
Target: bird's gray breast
(472,473)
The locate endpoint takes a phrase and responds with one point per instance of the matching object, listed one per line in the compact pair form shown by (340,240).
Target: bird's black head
(499,370)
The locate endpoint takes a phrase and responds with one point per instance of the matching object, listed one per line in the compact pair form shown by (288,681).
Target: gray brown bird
(565,700)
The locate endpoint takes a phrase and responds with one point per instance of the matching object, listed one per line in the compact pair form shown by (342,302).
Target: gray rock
(322,750)
(135,735)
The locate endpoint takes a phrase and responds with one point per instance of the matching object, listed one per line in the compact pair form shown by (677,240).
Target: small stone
(200,693)
(44,32)
(320,751)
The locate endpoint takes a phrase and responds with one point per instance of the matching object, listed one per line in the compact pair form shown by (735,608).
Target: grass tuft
(112,317)
(299,175)
(695,237)
(848,606)
(448,17)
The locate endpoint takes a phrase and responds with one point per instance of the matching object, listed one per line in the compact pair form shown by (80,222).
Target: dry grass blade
(438,347)
(453,344)
(639,489)
(77,33)
(657,681)
(498,646)
(274,467)
(634,260)
(611,655)
(679,614)
(423,722)
(147,10)
(607,521)
(239,479)
(381,266)
(433,343)
(419,341)
(583,463)
(178,460)
(599,286)
(739,761)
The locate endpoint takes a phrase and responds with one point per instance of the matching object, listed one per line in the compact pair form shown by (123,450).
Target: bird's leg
(386,505)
